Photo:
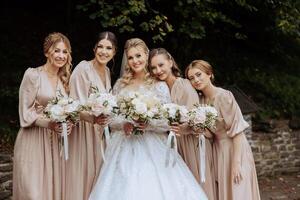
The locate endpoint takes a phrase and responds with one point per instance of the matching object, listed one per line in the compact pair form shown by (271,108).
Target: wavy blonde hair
(128,73)
(203,66)
(64,73)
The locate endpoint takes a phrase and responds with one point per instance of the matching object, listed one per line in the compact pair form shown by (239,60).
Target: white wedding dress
(135,166)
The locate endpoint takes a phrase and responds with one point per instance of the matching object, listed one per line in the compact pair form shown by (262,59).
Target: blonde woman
(164,68)
(235,168)
(135,164)
(38,171)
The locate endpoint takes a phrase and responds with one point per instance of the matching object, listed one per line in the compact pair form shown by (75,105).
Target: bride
(135,164)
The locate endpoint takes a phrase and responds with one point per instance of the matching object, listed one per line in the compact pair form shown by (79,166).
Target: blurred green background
(254,45)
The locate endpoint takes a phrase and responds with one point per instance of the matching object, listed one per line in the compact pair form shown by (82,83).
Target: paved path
(281,187)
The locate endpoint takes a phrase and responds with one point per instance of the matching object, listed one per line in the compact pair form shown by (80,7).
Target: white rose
(57,113)
(140,108)
(97,109)
(200,117)
(63,101)
(72,107)
(212,110)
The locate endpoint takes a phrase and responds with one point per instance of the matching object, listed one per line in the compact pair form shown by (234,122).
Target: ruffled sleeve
(231,113)
(27,97)
(184,94)
(80,82)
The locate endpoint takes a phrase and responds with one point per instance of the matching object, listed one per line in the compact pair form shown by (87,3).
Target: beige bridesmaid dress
(38,169)
(183,93)
(85,159)
(229,124)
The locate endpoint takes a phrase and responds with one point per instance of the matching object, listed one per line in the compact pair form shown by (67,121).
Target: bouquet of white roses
(62,109)
(200,118)
(138,107)
(101,103)
(174,114)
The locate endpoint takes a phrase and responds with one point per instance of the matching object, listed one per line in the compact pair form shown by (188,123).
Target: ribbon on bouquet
(65,140)
(107,139)
(172,149)
(202,157)
(106,134)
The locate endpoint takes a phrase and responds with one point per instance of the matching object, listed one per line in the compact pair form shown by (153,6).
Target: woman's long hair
(64,72)
(161,51)
(128,73)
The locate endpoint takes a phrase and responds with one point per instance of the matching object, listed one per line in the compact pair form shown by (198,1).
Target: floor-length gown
(183,93)
(135,166)
(230,123)
(38,170)
(85,159)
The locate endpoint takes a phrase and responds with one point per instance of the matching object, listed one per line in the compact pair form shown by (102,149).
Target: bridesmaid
(235,167)
(38,168)
(85,150)
(163,67)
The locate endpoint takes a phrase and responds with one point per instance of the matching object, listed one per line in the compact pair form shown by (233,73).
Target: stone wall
(5,176)
(276,148)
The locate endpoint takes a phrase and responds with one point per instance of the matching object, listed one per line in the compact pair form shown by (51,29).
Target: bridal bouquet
(200,118)
(62,109)
(174,114)
(138,107)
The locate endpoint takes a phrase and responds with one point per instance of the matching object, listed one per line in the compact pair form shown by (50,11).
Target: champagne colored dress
(229,124)
(38,170)
(85,159)
(183,93)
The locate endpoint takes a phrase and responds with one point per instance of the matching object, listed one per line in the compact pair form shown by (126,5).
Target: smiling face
(161,67)
(137,59)
(198,78)
(104,51)
(58,54)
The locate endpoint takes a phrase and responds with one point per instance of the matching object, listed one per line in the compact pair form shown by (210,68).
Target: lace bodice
(158,89)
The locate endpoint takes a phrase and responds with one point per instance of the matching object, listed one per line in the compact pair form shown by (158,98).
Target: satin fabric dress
(183,93)
(38,169)
(85,159)
(230,123)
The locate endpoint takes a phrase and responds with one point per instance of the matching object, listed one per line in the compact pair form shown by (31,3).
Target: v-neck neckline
(103,83)
(53,89)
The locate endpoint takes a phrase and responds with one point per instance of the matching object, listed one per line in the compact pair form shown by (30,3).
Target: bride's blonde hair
(128,73)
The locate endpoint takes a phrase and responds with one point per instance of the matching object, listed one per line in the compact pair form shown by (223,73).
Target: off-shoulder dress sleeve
(231,113)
